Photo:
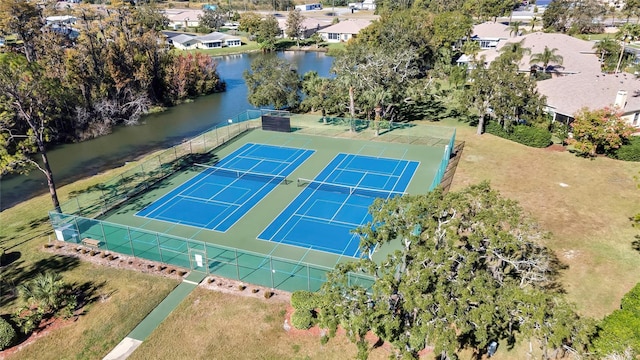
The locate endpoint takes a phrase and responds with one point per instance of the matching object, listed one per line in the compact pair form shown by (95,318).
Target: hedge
(629,151)
(302,319)
(7,334)
(523,134)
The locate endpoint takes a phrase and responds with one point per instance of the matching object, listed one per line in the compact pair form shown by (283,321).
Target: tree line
(56,88)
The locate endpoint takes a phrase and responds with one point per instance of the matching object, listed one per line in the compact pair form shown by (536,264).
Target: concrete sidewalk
(130,343)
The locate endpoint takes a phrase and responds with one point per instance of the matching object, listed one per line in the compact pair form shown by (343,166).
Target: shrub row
(523,134)
(629,151)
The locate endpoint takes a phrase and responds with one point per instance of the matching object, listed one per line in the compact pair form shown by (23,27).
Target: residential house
(343,31)
(310,26)
(568,94)
(62,25)
(184,42)
(214,40)
(309,7)
(489,34)
(183,18)
(61,20)
(578,55)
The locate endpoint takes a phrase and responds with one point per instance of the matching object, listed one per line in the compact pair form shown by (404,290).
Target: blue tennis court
(219,196)
(337,201)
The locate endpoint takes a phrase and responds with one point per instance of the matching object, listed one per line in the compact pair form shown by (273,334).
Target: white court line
(412,175)
(260,189)
(308,246)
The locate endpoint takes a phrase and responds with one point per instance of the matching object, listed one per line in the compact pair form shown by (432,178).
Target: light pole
(230,121)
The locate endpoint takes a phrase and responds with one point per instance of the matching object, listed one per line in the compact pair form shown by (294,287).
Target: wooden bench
(91,242)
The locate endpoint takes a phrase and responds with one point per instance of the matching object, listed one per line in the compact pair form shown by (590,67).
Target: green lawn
(121,298)
(589,218)
(593,37)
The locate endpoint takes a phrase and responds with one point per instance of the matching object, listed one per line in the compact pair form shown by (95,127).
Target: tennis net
(240,174)
(346,189)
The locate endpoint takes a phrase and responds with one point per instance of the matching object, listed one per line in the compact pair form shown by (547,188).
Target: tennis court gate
(254,268)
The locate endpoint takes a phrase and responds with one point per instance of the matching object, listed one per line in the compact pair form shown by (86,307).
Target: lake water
(70,162)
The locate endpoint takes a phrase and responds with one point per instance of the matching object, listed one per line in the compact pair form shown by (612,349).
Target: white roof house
(344,30)
(213,40)
(61,20)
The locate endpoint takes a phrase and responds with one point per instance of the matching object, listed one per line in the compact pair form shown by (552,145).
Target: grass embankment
(120,298)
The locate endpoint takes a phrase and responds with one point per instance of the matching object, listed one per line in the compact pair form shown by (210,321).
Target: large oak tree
(469,268)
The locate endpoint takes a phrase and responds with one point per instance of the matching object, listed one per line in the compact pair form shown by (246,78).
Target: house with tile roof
(566,95)
(577,83)
(343,31)
(578,55)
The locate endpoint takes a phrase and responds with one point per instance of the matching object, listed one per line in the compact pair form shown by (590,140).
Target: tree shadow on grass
(89,292)
(635,244)
(17,272)
(556,266)
(139,201)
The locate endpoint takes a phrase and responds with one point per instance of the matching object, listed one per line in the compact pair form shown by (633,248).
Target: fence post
(206,257)
(133,253)
(271,271)
(78,203)
(104,235)
(308,278)
(237,264)
(75,221)
(190,148)
(159,249)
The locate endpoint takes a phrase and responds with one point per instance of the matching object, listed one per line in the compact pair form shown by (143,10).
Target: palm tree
(514,28)
(626,33)
(535,21)
(515,51)
(471,47)
(606,49)
(546,57)
(43,291)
